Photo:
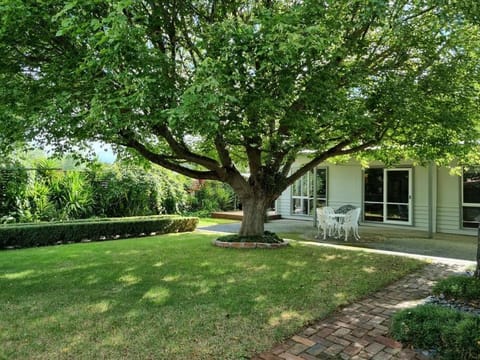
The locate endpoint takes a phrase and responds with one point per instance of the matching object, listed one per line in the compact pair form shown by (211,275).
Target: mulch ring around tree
(268,240)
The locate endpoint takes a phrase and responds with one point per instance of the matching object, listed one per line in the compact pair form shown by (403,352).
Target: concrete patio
(375,237)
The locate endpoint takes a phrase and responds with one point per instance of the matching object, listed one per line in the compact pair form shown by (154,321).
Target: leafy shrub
(173,194)
(267,237)
(463,341)
(453,334)
(13,183)
(73,196)
(422,326)
(37,204)
(39,234)
(459,287)
(50,193)
(213,196)
(122,190)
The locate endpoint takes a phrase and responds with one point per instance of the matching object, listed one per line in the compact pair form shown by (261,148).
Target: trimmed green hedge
(452,334)
(40,234)
(459,287)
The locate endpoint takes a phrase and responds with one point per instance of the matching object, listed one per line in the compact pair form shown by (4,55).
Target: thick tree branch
(254,156)
(333,151)
(166,163)
(288,165)
(182,151)
(222,151)
(420,13)
(337,150)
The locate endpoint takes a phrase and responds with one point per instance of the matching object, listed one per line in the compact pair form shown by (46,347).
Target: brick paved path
(360,330)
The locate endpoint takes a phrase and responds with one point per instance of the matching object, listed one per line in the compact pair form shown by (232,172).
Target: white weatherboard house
(426,198)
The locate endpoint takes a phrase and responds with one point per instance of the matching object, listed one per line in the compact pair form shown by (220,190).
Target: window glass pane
(374,185)
(397,187)
(373,212)
(397,212)
(303,192)
(470,216)
(471,185)
(304,185)
(304,206)
(311,184)
(297,187)
(321,183)
(297,206)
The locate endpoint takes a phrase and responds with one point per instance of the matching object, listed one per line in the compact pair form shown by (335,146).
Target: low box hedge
(459,287)
(41,234)
(451,334)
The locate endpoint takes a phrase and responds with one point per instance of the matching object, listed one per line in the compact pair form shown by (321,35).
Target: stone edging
(249,245)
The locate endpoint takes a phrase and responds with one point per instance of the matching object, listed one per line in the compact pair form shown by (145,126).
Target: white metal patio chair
(325,221)
(350,223)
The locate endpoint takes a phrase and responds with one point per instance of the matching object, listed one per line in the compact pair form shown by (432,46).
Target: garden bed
(249,245)
(268,240)
(447,325)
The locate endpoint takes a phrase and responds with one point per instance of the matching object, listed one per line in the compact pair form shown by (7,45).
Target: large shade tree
(206,88)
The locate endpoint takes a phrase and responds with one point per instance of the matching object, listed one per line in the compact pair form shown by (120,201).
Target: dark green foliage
(463,340)
(13,184)
(422,326)
(453,334)
(213,89)
(268,237)
(124,192)
(213,196)
(50,194)
(127,190)
(459,287)
(40,234)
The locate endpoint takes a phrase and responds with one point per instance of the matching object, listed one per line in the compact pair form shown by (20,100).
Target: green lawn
(202,222)
(173,297)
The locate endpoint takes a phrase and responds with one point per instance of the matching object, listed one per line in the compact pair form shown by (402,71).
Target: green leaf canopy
(206,87)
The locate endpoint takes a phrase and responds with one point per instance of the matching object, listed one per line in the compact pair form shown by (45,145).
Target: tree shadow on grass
(174,297)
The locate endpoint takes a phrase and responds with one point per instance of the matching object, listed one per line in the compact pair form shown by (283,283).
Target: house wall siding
(420,218)
(345,186)
(420,198)
(284,203)
(448,201)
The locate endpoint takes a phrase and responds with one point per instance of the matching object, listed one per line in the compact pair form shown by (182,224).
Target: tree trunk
(477,270)
(254,209)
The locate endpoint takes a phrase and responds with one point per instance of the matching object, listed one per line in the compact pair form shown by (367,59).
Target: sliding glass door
(388,195)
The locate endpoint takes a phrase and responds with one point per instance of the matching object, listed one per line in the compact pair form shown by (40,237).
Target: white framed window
(309,192)
(470,196)
(387,195)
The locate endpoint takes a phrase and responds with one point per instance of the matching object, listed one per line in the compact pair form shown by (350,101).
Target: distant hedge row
(41,234)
